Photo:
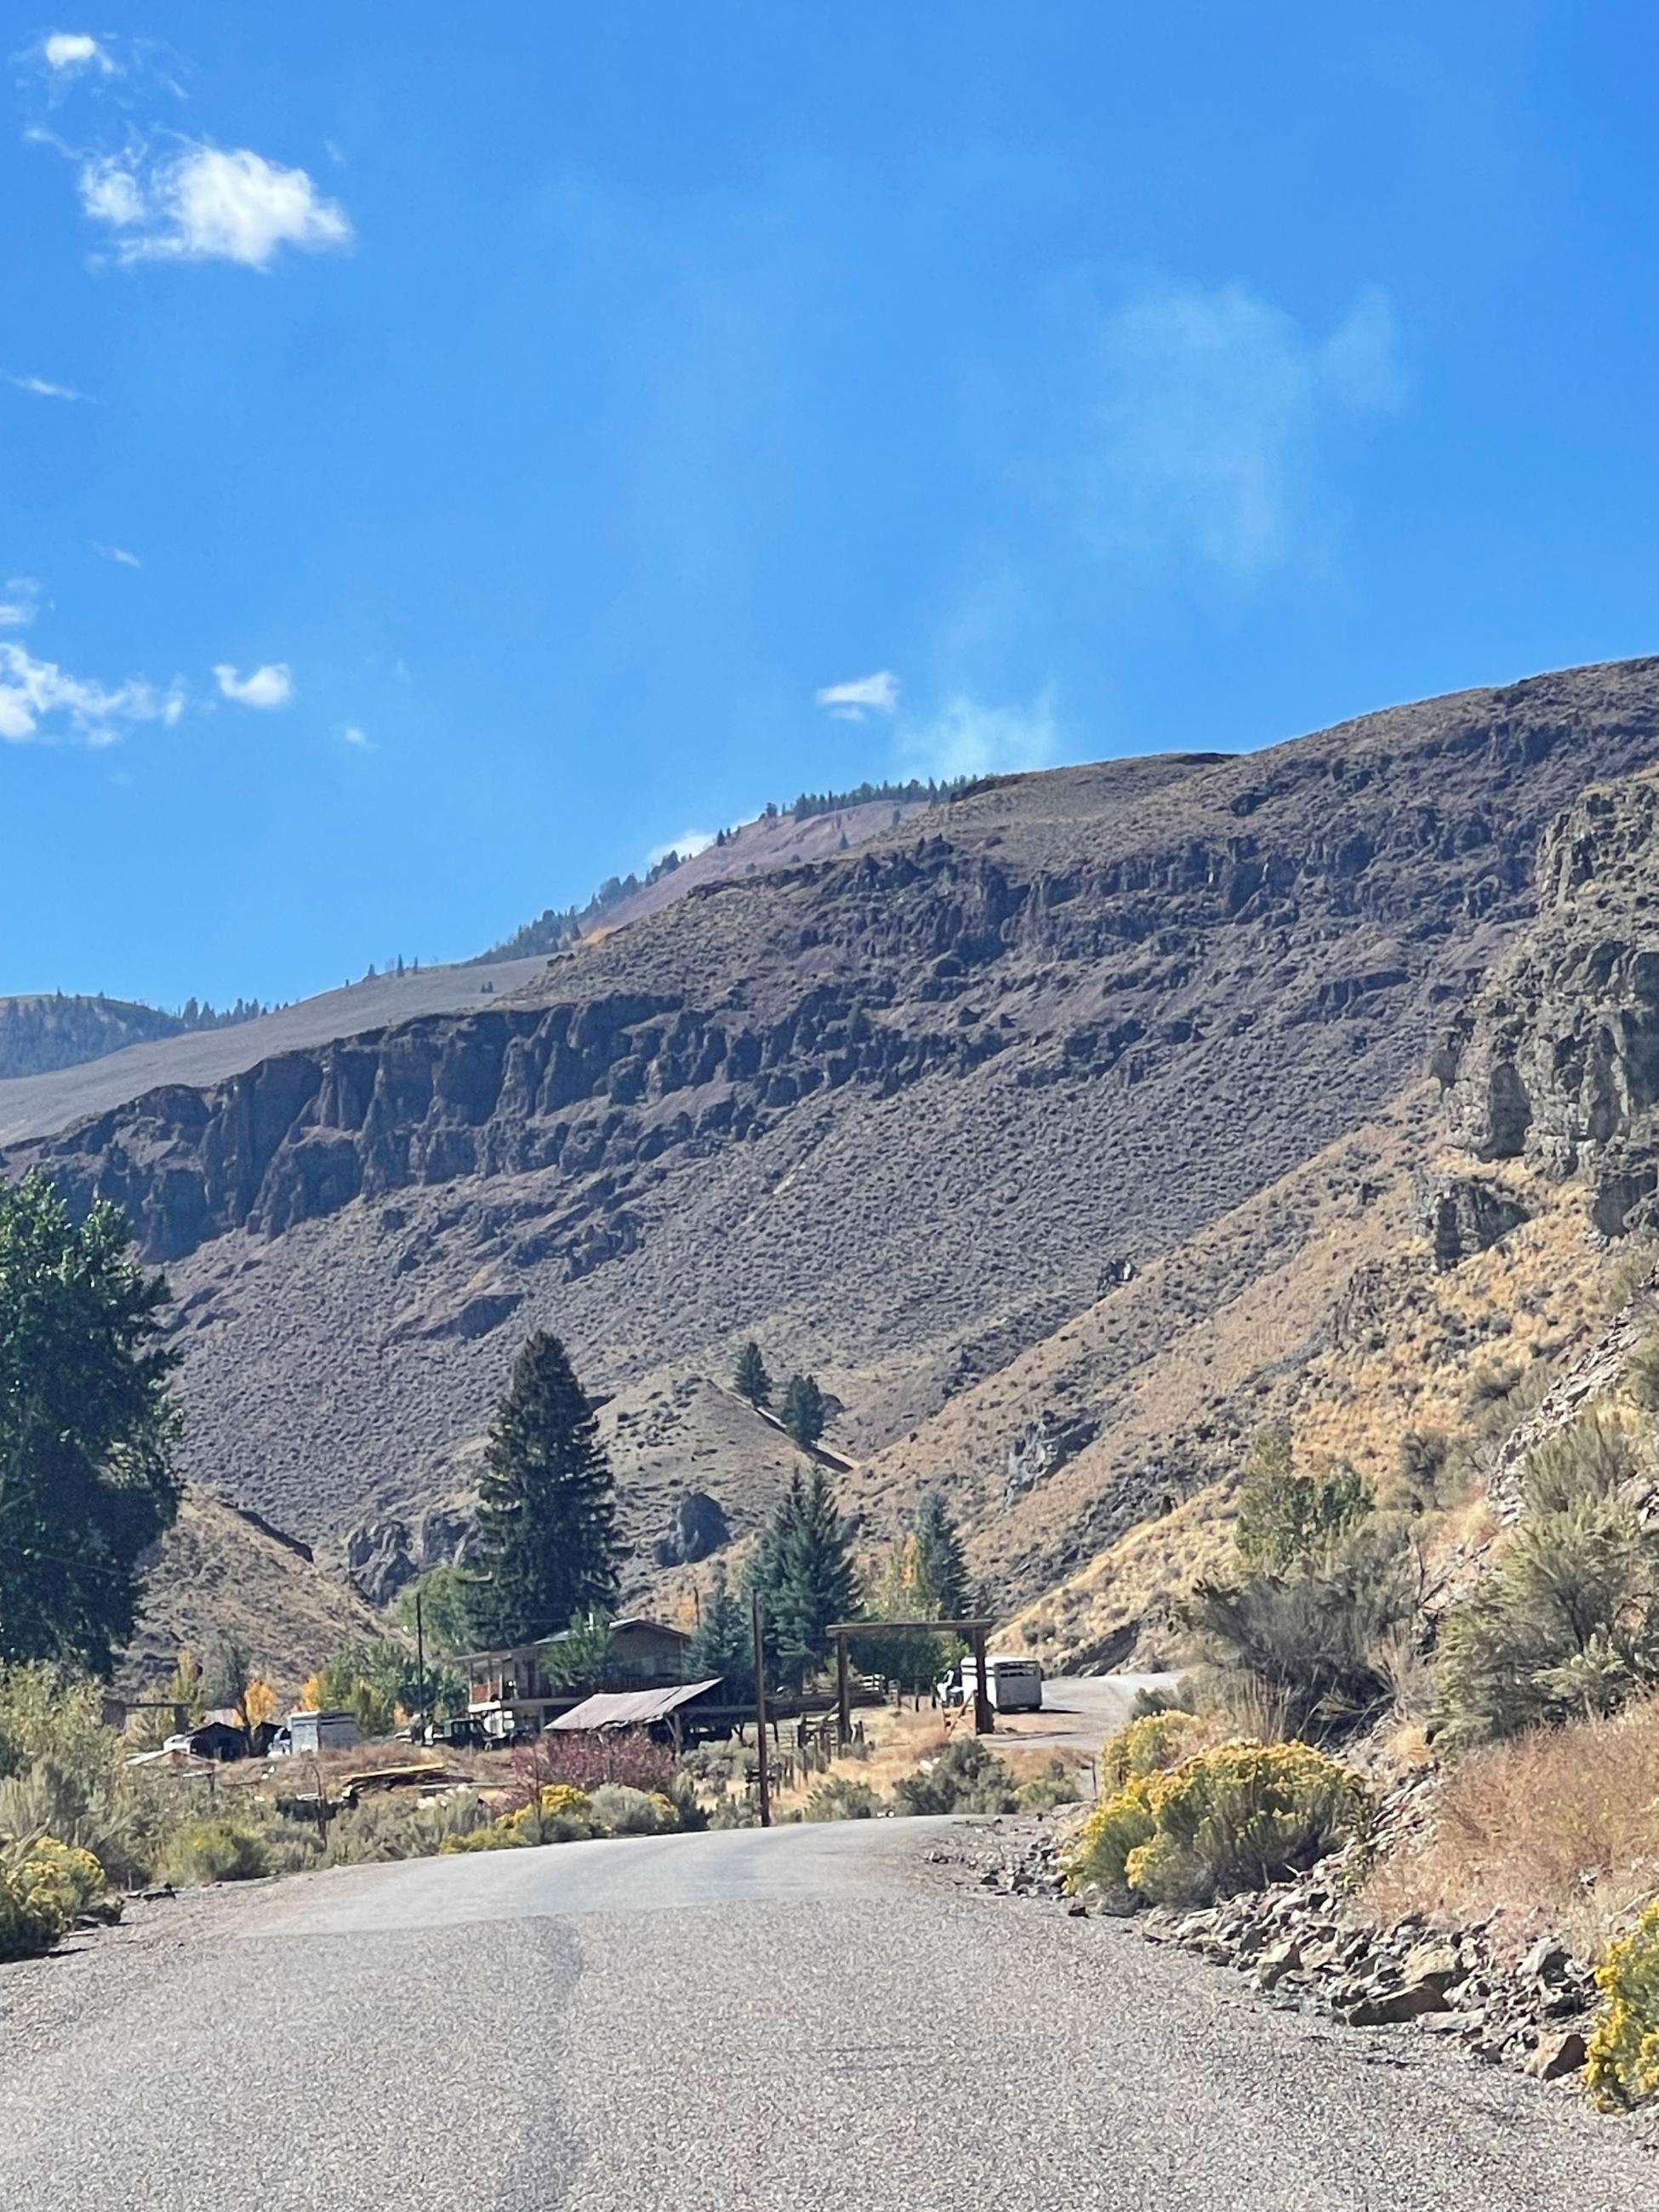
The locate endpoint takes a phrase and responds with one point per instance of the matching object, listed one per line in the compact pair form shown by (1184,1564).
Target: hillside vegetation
(45,1032)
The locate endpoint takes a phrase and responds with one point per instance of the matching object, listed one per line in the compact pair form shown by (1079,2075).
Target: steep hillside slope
(902,1114)
(219,1574)
(1517,1286)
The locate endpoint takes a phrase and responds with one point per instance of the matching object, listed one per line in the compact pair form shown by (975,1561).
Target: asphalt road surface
(1079,1711)
(812,2018)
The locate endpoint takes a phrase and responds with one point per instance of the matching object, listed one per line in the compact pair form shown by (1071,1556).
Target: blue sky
(446,453)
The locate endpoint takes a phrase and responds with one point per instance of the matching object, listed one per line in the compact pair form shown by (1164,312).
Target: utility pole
(419,1657)
(757,1623)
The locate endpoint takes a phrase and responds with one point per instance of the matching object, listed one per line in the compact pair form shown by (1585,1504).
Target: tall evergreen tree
(804,1570)
(86,1429)
(723,1644)
(941,1565)
(547,1527)
(750,1376)
(802,1412)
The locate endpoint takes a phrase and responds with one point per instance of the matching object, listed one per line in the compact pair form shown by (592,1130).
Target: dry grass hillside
(903,1114)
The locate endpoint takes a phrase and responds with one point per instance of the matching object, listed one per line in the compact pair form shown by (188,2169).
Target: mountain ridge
(897,1112)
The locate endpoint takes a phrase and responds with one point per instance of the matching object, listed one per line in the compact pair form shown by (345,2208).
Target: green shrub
(1623,2067)
(620,1811)
(1235,1818)
(1566,1624)
(1149,1745)
(395,1826)
(964,1778)
(499,1835)
(64,1773)
(1284,1517)
(1586,1464)
(836,1798)
(214,1850)
(1057,1785)
(1312,1636)
(1641,1377)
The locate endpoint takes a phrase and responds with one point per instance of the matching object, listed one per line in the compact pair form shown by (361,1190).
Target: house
(518,1691)
(221,1735)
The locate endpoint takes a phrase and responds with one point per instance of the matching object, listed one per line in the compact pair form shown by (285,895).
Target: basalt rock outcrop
(1555,1060)
(886,1112)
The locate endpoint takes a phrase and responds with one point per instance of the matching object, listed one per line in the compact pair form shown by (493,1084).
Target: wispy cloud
(688,843)
(271,685)
(117,554)
(42,703)
(353,735)
(966,737)
(68,50)
(1203,447)
(43,388)
(20,602)
(204,203)
(855,701)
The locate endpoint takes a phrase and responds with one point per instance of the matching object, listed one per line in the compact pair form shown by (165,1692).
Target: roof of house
(632,1620)
(619,1708)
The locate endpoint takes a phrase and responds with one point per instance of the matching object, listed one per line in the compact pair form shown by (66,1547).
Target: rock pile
(1298,1947)
(1301,1947)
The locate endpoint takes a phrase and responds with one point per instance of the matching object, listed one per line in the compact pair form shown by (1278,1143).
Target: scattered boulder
(383,1556)
(1042,1447)
(1462,1215)
(697,1526)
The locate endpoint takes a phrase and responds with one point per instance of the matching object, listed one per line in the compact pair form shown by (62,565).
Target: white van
(1013,1685)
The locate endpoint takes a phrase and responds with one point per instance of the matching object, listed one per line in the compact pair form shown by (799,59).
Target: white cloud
(856,701)
(688,843)
(967,737)
(354,736)
(1203,449)
(117,553)
(20,602)
(40,701)
(269,686)
(111,192)
(44,389)
(76,50)
(208,203)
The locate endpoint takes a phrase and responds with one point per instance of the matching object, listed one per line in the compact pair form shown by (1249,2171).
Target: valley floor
(811,2017)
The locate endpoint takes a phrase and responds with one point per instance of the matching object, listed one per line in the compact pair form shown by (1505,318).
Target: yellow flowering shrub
(561,1814)
(43,1884)
(1148,1746)
(1237,1817)
(1623,2068)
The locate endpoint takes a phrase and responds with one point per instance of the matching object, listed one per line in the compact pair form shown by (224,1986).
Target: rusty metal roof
(620,1709)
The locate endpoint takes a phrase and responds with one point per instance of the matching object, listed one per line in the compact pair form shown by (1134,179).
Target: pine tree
(804,1570)
(722,1645)
(749,1375)
(803,1412)
(547,1527)
(941,1565)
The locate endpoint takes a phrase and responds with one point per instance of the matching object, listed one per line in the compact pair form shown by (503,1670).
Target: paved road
(1079,1711)
(808,2019)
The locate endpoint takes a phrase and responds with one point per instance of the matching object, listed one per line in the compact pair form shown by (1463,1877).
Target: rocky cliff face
(1555,1060)
(900,1115)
